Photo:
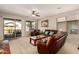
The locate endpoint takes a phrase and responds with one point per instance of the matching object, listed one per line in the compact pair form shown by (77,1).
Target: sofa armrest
(42,48)
(40,42)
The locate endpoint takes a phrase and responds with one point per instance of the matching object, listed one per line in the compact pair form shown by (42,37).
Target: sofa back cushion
(50,42)
(57,36)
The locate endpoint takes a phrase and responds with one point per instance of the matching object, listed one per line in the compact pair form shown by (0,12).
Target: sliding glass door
(9,29)
(18,28)
(12,28)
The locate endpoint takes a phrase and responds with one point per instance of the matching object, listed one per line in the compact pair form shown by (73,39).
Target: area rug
(5,50)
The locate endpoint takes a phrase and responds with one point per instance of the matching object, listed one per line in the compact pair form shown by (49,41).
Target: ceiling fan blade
(33,12)
(37,15)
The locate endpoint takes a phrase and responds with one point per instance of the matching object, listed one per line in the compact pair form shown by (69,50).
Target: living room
(23,27)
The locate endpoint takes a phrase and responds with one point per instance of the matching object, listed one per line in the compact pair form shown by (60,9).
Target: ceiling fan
(35,13)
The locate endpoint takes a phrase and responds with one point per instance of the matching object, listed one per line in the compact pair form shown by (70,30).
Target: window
(33,25)
(61,26)
(27,26)
(73,27)
(30,25)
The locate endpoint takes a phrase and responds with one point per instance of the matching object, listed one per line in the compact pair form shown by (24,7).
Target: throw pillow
(51,33)
(46,32)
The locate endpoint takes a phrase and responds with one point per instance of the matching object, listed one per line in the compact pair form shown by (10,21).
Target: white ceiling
(44,9)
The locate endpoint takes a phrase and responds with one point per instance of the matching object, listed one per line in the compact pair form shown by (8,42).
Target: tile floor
(22,46)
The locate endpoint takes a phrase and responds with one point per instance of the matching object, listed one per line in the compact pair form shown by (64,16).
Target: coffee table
(33,39)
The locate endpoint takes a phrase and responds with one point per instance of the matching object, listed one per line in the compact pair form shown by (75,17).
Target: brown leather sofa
(52,44)
(35,32)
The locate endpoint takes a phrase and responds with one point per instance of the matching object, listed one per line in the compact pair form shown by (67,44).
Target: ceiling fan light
(33,15)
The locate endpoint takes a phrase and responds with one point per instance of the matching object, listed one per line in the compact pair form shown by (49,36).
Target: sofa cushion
(57,36)
(44,40)
(48,40)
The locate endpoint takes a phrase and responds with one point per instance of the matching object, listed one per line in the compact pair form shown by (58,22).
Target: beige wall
(69,16)
(13,16)
(51,23)
(6,15)
(1,28)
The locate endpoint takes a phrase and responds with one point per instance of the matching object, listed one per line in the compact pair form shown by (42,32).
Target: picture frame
(44,23)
